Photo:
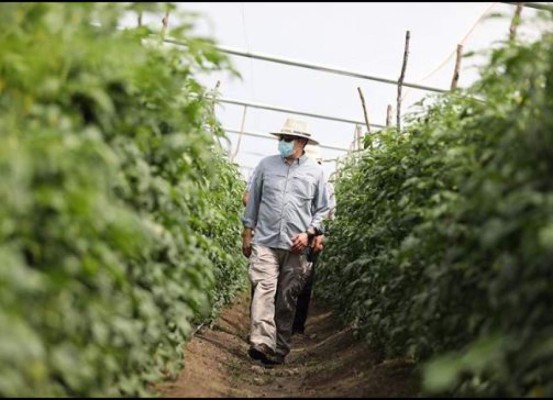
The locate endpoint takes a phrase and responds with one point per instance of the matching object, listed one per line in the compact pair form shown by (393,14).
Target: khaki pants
(281,274)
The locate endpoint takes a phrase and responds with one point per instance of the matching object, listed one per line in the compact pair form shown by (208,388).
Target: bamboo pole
(515,22)
(400,81)
(241,134)
(388,115)
(214,97)
(358,137)
(365,114)
(165,22)
(351,146)
(455,79)
(213,102)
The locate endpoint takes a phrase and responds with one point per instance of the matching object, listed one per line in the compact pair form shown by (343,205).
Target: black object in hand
(310,254)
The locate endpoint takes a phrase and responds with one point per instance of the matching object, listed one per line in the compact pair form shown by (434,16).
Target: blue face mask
(285,148)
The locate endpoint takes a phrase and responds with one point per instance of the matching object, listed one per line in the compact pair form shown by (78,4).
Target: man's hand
(299,243)
(318,244)
(247,242)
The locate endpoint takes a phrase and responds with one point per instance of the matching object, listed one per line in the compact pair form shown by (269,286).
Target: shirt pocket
(303,187)
(273,185)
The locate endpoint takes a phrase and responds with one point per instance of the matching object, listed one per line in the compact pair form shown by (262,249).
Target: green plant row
(443,241)
(119,216)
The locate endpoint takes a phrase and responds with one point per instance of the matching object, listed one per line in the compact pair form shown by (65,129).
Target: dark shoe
(260,352)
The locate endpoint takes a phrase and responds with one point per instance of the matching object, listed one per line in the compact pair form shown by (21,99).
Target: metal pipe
(273,108)
(260,135)
(322,68)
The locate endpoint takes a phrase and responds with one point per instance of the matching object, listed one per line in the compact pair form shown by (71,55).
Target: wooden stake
(400,82)
(165,22)
(457,67)
(357,138)
(213,101)
(351,147)
(364,110)
(215,92)
(241,134)
(515,22)
(139,19)
(389,115)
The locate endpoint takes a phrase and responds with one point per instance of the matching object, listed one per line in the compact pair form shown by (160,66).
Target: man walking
(286,205)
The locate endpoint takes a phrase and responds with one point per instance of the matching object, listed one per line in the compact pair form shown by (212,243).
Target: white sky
(362,37)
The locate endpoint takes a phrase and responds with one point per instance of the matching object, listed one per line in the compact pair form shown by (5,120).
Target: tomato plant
(119,217)
(442,244)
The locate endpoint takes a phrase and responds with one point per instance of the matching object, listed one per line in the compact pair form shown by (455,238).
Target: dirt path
(325,362)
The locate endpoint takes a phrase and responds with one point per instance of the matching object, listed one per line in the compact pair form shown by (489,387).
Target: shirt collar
(301,160)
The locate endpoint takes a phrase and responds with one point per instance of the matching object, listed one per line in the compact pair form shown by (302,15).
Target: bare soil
(326,361)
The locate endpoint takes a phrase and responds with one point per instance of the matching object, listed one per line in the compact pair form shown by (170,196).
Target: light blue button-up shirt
(285,200)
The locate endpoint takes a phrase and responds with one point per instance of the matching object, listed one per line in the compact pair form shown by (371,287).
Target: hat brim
(309,140)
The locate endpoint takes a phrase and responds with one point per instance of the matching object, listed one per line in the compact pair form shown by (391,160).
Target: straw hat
(294,127)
